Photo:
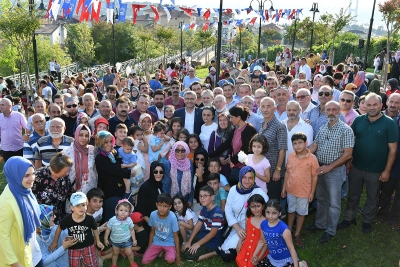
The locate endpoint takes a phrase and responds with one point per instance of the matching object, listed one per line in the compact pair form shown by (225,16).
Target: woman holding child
(235,211)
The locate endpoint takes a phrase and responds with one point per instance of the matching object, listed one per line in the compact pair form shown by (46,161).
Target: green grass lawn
(349,248)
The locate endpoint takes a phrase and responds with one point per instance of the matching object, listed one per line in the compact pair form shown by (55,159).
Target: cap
(257,68)
(78,198)
(136,217)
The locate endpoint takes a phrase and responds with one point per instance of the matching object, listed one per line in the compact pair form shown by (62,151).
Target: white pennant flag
(167,12)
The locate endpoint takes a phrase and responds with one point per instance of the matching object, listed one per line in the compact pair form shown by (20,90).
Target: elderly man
(220,107)
(158,107)
(88,101)
(303,97)
(40,107)
(69,118)
(295,87)
(254,119)
(346,106)
(55,112)
(317,115)
(191,78)
(245,89)
(333,147)
(375,148)
(229,92)
(121,116)
(393,104)
(48,146)
(11,125)
(175,100)
(275,132)
(190,115)
(143,103)
(105,112)
(282,97)
(305,68)
(294,123)
(39,130)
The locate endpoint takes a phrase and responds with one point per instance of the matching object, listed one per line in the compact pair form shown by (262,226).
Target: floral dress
(51,192)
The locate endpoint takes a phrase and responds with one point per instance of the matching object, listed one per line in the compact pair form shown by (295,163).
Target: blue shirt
(278,250)
(155,141)
(45,150)
(164,228)
(30,146)
(213,218)
(154,84)
(114,121)
(57,258)
(127,158)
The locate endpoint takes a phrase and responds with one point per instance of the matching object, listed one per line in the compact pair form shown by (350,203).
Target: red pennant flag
(48,10)
(280,13)
(207,14)
(205,27)
(253,20)
(187,10)
(78,7)
(266,12)
(135,10)
(225,22)
(96,15)
(108,2)
(192,26)
(273,16)
(292,14)
(228,11)
(248,10)
(155,10)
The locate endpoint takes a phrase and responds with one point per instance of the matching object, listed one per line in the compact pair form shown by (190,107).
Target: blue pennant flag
(170,8)
(216,10)
(237,11)
(198,11)
(122,12)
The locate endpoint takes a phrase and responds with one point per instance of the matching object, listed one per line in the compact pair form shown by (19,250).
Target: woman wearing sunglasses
(200,172)
(148,192)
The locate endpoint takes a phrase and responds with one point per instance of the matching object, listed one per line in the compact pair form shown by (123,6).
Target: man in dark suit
(190,115)
(158,107)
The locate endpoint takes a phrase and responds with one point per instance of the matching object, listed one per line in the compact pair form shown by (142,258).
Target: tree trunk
(386,60)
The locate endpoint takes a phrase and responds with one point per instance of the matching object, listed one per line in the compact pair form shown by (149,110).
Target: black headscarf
(152,179)
(201,151)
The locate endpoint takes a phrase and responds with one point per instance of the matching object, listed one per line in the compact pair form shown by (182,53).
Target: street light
(218,58)
(115,17)
(313,9)
(261,7)
(181,27)
(369,36)
(295,18)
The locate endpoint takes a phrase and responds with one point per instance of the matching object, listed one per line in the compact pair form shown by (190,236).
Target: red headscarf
(81,154)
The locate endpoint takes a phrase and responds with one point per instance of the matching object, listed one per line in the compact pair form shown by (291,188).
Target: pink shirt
(11,131)
(168,101)
(259,168)
(350,116)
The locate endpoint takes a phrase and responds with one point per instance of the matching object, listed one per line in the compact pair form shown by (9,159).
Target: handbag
(226,229)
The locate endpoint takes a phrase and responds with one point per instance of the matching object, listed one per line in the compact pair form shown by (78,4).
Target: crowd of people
(210,168)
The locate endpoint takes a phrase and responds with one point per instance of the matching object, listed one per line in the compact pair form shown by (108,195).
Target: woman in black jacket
(238,140)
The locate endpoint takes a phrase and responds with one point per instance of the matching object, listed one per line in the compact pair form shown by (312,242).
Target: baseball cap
(136,217)
(78,198)
(257,68)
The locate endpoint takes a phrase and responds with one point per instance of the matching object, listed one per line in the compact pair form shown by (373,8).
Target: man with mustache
(143,103)
(158,107)
(121,116)
(393,104)
(175,99)
(333,147)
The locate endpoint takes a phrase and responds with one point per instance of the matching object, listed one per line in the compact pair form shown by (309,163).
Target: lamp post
(313,9)
(295,18)
(261,7)
(181,27)
(115,17)
(35,56)
(369,36)
(218,58)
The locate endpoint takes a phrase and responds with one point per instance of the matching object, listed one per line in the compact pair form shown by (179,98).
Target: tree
(146,37)
(8,58)
(391,17)
(80,43)
(17,26)
(46,50)
(164,35)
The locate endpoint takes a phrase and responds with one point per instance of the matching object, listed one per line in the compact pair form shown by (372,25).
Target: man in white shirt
(46,91)
(190,115)
(303,97)
(234,58)
(52,68)
(305,68)
(282,98)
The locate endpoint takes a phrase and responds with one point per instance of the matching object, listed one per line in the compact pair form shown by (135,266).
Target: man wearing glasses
(303,97)
(346,106)
(191,78)
(39,130)
(190,115)
(69,118)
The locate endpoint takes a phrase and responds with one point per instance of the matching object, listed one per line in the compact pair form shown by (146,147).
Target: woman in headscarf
(19,216)
(148,192)
(359,80)
(181,172)
(145,122)
(83,174)
(134,93)
(100,124)
(235,211)
(395,72)
(220,136)
(375,87)
(391,87)
(110,173)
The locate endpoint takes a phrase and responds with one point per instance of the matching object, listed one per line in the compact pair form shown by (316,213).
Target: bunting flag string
(207,14)
(135,10)
(155,10)
(166,10)
(110,11)
(96,6)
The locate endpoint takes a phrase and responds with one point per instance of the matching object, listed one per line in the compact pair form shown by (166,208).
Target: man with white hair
(40,107)
(191,78)
(220,107)
(258,95)
(39,130)
(105,110)
(11,125)
(303,97)
(48,146)
(254,119)
(88,100)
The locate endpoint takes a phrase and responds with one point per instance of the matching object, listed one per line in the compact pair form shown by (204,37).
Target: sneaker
(325,237)
(366,227)
(313,227)
(133,264)
(346,224)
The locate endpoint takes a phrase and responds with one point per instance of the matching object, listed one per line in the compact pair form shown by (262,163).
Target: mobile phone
(68,238)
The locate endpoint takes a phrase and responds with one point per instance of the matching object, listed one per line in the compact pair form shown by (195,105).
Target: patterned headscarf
(100,150)
(81,157)
(45,216)
(182,165)
(224,133)
(240,188)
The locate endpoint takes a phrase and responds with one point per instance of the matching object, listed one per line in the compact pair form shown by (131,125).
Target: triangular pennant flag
(187,10)
(266,14)
(170,8)
(216,10)
(135,10)
(207,14)
(122,12)
(96,6)
(292,13)
(186,27)
(205,26)
(262,14)
(237,11)
(85,11)
(248,10)
(199,11)
(155,10)
(225,22)
(228,11)
(68,8)
(55,7)
(48,10)
(193,26)
(239,22)
(253,20)
(80,4)
(279,15)
(299,11)
(167,13)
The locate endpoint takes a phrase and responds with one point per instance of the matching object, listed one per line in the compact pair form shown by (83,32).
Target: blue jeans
(328,194)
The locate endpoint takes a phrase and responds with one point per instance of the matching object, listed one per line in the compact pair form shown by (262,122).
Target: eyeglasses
(201,159)
(301,96)
(324,93)
(247,103)
(158,172)
(204,196)
(177,150)
(347,100)
(72,106)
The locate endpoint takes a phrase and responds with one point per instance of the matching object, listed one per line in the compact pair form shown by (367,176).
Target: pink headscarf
(182,165)
(81,154)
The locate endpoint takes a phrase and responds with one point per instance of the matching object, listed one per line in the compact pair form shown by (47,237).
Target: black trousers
(388,212)
(9,154)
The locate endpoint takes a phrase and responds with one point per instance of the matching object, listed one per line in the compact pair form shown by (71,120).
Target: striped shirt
(120,229)
(332,141)
(30,146)
(45,150)
(213,218)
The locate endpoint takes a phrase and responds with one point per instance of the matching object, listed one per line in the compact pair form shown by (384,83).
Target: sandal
(299,242)
(395,227)
(378,221)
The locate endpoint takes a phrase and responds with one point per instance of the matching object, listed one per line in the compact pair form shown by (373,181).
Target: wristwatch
(279,168)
